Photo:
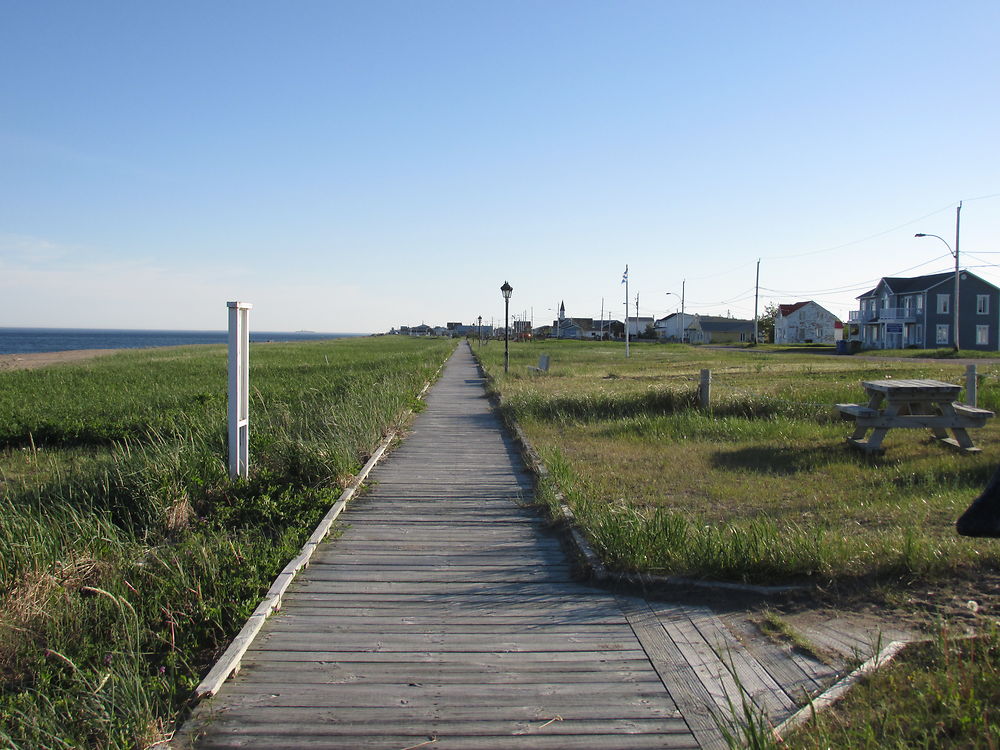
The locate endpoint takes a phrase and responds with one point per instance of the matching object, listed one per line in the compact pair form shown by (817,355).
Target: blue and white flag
(625,276)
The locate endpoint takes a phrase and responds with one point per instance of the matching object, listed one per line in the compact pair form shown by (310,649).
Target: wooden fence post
(971,385)
(239,389)
(705,389)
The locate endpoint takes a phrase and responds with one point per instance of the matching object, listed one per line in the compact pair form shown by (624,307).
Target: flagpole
(626,312)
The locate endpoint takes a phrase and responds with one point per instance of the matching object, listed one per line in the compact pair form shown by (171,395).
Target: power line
(863,239)
(857,285)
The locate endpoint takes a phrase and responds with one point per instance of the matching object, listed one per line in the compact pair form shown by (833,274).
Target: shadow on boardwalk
(447,616)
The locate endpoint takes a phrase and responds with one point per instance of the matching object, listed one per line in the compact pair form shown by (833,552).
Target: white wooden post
(971,390)
(705,389)
(239,388)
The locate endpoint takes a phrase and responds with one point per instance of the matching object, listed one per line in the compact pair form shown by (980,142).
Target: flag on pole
(625,275)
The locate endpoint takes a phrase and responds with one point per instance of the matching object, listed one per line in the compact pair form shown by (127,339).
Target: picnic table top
(912,387)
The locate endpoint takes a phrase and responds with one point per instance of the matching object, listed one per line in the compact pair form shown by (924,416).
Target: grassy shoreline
(128,558)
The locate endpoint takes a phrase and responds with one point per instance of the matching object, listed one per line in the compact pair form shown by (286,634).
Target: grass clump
(128,558)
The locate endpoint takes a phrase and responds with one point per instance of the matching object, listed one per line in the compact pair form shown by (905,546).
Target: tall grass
(128,558)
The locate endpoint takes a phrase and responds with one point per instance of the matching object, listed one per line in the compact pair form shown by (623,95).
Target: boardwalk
(447,616)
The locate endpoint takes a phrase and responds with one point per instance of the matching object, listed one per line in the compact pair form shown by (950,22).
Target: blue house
(918,313)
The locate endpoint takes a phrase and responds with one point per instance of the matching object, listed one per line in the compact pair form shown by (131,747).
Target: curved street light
(681,295)
(955,253)
(506,290)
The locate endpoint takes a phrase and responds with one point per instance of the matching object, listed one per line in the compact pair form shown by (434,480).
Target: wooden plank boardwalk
(447,616)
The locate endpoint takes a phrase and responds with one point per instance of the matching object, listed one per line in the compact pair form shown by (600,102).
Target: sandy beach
(33,360)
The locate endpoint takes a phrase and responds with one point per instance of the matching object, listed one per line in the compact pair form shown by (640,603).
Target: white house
(673,327)
(806,323)
(637,326)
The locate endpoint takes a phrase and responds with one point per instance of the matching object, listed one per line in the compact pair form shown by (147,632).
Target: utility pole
(683,323)
(625,279)
(602,319)
(958,218)
(756,297)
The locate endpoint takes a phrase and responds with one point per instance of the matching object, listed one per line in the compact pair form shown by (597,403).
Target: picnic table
(928,404)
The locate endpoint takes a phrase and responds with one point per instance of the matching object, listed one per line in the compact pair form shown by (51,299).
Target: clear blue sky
(352,166)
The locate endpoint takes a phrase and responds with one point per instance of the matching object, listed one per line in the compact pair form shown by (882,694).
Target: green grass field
(761,487)
(128,558)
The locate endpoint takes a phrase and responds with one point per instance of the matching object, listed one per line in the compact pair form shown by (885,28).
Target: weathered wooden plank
(426,588)
(433,695)
(295,622)
(387,673)
(700,657)
(687,691)
(522,660)
(470,558)
(457,742)
(777,660)
(405,642)
(374,619)
(542,725)
(428,574)
(752,677)
(475,601)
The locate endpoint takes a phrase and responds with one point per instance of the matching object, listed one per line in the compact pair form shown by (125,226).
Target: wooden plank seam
(229,663)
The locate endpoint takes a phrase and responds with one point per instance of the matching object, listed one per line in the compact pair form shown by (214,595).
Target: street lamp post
(480,331)
(506,289)
(958,215)
(681,295)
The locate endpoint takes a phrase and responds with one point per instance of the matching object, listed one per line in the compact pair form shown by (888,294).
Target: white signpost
(239,388)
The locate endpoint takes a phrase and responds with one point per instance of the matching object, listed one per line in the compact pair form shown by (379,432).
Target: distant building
(806,323)
(637,326)
(673,327)
(711,329)
(918,312)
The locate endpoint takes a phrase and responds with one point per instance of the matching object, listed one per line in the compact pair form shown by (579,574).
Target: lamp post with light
(958,216)
(681,297)
(506,289)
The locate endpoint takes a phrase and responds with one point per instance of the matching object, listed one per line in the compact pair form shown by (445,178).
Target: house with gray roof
(918,312)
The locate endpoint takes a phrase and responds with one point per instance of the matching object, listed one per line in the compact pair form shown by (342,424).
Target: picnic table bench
(928,404)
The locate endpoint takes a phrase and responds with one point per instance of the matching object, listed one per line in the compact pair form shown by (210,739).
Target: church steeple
(562,311)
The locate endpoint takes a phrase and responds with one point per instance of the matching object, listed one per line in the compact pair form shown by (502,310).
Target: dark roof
(789,309)
(900,285)
(718,323)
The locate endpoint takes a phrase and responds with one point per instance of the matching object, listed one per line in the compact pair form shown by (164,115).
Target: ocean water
(26,340)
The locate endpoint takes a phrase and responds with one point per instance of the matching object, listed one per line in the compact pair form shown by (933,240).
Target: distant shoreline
(38,340)
(34,360)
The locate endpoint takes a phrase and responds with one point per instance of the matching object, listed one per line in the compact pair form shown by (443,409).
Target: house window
(942,330)
(983,304)
(944,304)
(982,335)
(920,302)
